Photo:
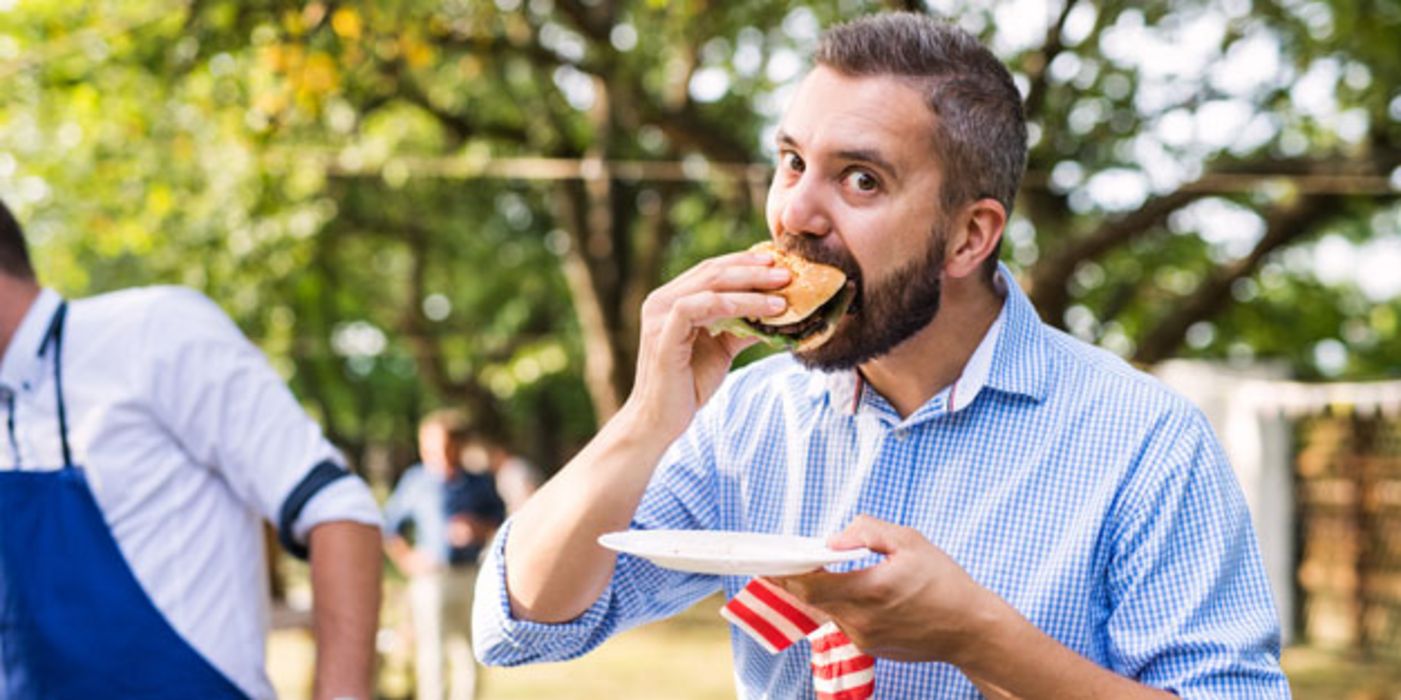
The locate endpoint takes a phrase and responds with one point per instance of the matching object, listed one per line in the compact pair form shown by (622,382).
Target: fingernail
(762,258)
(778,274)
(776,303)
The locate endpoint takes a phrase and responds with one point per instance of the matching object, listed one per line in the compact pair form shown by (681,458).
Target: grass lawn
(1321,674)
(688,658)
(685,658)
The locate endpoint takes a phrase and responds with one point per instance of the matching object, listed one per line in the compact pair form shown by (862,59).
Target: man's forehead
(843,111)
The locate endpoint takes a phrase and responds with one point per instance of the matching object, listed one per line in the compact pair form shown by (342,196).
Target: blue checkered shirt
(1086,494)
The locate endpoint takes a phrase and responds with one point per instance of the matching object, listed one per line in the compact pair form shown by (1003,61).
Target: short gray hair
(980,130)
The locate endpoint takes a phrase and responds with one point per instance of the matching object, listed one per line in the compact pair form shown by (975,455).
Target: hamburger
(818,296)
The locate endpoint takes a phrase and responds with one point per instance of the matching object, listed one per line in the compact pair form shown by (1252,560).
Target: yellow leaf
(271,102)
(159,201)
(293,23)
(272,58)
(320,74)
(346,23)
(416,53)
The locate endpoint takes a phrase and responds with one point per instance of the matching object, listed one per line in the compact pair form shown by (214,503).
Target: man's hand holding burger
(679,362)
(695,325)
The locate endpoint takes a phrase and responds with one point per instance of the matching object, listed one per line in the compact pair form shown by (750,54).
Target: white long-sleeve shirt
(189,440)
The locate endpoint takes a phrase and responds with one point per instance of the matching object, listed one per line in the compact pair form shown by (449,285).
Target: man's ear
(978,228)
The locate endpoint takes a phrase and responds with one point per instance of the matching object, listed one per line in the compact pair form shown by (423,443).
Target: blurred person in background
(516,478)
(145,442)
(1050,522)
(436,524)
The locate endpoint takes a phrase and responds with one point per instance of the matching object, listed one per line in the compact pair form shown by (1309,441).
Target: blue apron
(74,621)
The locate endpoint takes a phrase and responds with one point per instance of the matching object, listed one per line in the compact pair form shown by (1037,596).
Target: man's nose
(805,211)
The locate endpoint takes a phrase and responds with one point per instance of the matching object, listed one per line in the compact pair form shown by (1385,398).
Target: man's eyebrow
(861,155)
(867,155)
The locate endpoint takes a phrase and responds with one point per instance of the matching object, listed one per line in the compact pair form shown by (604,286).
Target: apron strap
(54,336)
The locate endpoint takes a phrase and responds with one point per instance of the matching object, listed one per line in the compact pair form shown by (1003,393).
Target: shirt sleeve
(681,495)
(1190,609)
(396,509)
(222,401)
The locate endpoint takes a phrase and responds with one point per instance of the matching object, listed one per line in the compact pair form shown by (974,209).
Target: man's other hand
(917,605)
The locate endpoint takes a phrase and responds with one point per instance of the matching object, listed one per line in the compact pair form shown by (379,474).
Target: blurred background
(415,203)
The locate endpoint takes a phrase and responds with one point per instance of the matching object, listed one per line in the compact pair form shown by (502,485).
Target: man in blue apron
(144,441)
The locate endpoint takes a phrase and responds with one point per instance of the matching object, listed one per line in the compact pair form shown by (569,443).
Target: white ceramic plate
(729,553)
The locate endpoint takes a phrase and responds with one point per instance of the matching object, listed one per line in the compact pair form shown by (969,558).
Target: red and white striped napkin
(776,620)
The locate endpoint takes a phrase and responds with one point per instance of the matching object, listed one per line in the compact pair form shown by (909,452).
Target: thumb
(878,536)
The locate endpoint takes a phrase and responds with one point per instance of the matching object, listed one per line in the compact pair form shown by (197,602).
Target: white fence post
(1258,444)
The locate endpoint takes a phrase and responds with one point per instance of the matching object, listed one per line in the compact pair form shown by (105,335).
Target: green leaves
(315,168)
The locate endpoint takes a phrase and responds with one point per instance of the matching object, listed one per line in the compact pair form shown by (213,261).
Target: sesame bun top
(812,285)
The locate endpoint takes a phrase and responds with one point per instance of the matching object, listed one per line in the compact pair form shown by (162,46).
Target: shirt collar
(1019,360)
(1009,358)
(21,367)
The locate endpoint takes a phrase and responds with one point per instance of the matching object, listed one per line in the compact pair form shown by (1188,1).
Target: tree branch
(491,46)
(461,127)
(1050,276)
(1285,225)
(1036,64)
(689,129)
(427,351)
(594,24)
(571,209)
(651,240)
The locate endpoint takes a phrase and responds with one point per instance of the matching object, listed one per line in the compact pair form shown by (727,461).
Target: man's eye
(862,181)
(793,162)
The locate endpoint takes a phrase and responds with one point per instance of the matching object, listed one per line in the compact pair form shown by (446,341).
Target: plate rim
(825,556)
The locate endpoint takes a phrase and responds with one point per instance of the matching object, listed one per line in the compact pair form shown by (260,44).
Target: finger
(704,308)
(741,277)
(865,531)
(732,272)
(824,590)
(708,267)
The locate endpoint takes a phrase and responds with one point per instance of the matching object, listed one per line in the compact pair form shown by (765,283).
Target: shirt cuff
(501,639)
(347,498)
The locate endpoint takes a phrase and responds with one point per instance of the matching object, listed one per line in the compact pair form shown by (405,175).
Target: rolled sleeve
(501,639)
(1190,607)
(343,500)
(681,495)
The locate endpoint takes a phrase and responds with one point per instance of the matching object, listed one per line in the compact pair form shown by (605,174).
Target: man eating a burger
(1046,520)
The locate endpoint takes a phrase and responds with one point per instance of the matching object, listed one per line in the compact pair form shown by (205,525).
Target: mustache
(818,251)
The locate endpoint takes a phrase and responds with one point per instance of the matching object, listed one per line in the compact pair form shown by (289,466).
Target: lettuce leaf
(740,328)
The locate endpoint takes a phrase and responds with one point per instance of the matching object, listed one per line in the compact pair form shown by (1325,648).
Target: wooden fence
(1348,495)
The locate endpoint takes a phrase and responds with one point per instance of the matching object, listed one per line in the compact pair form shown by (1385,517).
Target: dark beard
(884,315)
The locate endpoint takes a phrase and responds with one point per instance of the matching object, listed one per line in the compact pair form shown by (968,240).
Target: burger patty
(798,330)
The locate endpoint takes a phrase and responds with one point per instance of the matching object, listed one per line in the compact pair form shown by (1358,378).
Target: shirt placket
(897,461)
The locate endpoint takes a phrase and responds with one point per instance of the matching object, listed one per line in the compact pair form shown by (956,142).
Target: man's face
(476,457)
(857,187)
(437,450)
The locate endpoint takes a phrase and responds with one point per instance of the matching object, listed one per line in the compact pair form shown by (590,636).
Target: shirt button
(902,433)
